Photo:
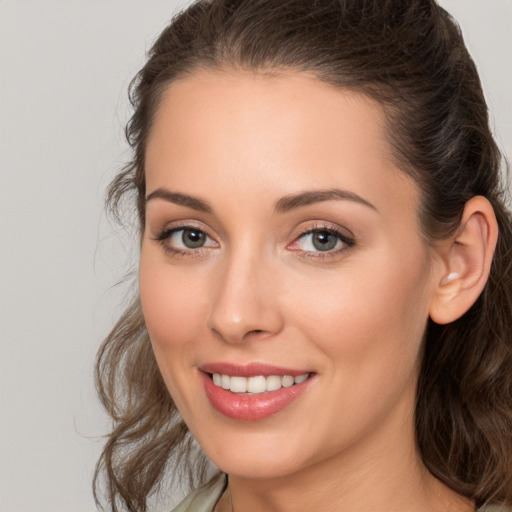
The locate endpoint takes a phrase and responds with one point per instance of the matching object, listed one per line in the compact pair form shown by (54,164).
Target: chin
(256,456)
(259,468)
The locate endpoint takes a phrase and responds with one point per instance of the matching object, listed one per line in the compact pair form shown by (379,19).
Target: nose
(245,301)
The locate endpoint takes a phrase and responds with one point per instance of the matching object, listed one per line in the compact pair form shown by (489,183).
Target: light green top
(205,499)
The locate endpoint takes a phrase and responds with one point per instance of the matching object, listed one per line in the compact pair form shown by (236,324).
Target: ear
(465,262)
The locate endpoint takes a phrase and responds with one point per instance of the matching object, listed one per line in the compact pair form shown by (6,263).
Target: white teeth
(238,384)
(288,381)
(256,384)
(301,378)
(273,383)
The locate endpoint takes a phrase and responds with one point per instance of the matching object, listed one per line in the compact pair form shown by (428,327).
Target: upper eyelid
(169,231)
(347,240)
(183,224)
(326,226)
(172,229)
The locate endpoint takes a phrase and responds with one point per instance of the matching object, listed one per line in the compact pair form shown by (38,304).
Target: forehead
(267,132)
(277,109)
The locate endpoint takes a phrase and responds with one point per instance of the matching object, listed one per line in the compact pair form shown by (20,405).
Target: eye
(185,239)
(319,241)
(188,238)
(322,240)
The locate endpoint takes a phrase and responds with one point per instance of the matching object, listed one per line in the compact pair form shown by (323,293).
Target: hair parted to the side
(410,56)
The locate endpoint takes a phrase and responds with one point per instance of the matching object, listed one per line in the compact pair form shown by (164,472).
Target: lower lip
(251,407)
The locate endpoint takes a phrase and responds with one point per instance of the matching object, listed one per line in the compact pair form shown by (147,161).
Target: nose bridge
(245,299)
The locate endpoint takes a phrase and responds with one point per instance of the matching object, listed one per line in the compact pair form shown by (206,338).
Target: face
(282,259)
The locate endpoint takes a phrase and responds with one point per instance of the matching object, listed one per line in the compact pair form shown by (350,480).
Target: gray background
(64,69)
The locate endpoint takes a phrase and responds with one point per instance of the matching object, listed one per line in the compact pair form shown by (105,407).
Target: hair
(410,56)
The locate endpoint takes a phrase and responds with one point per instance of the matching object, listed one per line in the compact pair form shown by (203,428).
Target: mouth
(253,392)
(257,384)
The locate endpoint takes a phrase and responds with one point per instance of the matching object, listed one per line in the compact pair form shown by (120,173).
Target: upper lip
(250,369)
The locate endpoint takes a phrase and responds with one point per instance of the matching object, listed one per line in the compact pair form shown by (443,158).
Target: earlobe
(466,262)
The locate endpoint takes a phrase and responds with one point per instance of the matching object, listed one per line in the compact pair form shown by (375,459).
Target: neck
(361,490)
(380,472)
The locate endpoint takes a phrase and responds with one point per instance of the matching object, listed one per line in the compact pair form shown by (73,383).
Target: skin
(258,291)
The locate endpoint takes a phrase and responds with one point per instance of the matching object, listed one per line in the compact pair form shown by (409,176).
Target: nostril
(254,332)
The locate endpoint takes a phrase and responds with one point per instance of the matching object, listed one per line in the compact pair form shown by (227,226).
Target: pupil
(193,238)
(324,241)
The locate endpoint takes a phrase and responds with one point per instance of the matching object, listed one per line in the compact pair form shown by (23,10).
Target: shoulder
(204,498)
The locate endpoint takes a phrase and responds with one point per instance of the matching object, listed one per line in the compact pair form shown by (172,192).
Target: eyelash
(348,242)
(166,234)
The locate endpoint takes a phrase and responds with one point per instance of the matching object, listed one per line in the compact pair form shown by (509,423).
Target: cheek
(172,300)
(369,321)
(369,327)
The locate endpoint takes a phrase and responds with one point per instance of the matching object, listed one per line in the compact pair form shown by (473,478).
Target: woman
(324,274)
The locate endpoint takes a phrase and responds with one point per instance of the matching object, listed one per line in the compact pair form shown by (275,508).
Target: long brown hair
(410,56)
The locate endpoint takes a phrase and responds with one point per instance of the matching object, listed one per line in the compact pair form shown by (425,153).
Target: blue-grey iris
(324,241)
(193,238)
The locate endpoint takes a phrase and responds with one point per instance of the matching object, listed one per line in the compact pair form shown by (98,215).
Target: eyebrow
(292,202)
(180,199)
(283,205)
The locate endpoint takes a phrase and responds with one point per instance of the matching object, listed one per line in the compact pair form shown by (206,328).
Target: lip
(250,370)
(251,407)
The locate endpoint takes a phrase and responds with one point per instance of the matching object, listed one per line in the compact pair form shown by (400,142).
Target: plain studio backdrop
(64,69)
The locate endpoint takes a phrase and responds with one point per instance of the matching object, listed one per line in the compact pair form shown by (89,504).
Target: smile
(257,384)
(253,392)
